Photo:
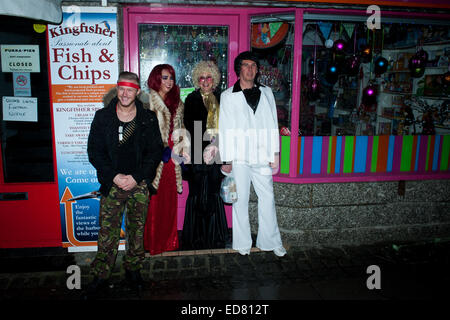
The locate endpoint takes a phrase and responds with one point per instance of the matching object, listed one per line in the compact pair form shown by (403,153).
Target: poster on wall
(83,60)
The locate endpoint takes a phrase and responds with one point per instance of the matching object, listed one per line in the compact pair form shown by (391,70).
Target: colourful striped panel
(337,167)
(430,153)
(414,153)
(373,154)
(417,153)
(397,155)
(316,155)
(285,154)
(437,145)
(308,151)
(302,154)
(299,153)
(349,143)
(330,155)
(369,154)
(325,154)
(390,155)
(407,152)
(373,163)
(445,154)
(423,146)
(383,151)
(360,154)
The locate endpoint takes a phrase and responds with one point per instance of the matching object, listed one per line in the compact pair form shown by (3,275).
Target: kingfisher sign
(83,67)
(103,29)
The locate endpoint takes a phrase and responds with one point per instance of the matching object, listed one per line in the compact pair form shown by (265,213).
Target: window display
(391,81)
(273,42)
(182,46)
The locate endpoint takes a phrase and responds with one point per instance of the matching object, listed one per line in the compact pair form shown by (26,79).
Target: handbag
(228,191)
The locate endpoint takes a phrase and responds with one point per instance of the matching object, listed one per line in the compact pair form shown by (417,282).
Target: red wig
(172,98)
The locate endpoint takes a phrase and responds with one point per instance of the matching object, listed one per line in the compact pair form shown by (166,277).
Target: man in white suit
(249,145)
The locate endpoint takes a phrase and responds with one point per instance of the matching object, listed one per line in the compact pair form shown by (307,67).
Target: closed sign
(20,58)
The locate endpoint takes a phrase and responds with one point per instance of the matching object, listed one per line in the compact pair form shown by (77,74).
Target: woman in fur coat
(161,225)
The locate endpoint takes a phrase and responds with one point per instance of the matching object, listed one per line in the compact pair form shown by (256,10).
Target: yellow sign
(39,28)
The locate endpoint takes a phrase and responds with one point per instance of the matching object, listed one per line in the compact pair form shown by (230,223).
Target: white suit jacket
(245,136)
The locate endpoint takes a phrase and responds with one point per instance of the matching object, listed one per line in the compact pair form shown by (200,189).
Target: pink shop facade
(332,132)
(341,137)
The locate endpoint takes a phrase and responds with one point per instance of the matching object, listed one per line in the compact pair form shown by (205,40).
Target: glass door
(182,37)
(29,209)
(183,46)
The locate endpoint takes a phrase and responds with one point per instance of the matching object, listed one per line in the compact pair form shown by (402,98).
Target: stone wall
(333,214)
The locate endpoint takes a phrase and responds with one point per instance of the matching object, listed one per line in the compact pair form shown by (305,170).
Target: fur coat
(155,103)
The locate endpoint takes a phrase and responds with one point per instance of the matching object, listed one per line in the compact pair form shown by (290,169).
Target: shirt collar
(237,86)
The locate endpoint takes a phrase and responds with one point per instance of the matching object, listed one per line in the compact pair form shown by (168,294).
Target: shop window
(26,146)
(390,81)
(183,46)
(272,39)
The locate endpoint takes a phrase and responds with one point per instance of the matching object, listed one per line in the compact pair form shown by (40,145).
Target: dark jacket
(103,144)
(195,110)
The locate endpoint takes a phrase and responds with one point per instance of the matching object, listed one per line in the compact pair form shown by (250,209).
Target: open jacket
(195,110)
(244,135)
(104,139)
(157,105)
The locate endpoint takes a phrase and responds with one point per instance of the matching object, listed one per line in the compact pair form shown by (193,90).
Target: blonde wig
(206,67)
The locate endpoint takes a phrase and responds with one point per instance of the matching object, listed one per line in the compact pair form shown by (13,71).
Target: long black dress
(205,224)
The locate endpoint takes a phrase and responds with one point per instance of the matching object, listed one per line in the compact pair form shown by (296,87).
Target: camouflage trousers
(110,219)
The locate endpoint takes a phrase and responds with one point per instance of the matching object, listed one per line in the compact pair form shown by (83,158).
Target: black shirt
(126,164)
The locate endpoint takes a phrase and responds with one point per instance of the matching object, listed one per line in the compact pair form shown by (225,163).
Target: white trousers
(268,237)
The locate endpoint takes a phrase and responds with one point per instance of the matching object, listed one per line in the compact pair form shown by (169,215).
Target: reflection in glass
(26,147)
(273,42)
(374,82)
(182,46)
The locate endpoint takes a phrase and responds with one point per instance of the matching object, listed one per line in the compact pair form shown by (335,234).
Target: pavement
(383,272)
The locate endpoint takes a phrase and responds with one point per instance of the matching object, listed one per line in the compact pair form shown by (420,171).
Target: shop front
(350,105)
(356,101)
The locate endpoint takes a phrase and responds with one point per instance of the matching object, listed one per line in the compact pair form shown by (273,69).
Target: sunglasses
(208,78)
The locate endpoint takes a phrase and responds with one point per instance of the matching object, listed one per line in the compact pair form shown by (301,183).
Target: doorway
(29,210)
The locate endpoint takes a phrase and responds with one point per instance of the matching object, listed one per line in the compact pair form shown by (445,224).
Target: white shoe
(244,252)
(280,252)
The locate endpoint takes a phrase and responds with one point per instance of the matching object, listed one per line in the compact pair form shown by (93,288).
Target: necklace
(125,117)
(129,117)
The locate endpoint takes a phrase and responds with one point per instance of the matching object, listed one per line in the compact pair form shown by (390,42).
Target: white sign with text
(20,58)
(20,109)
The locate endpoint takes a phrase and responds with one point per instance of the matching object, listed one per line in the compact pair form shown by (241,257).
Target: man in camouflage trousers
(125,147)
(111,214)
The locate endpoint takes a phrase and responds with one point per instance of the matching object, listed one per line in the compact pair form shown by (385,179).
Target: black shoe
(96,287)
(134,279)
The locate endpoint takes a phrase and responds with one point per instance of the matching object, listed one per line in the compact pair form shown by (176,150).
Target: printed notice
(20,58)
(22,84)
(20,109)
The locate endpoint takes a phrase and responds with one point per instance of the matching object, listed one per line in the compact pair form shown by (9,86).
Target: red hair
(172,98)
